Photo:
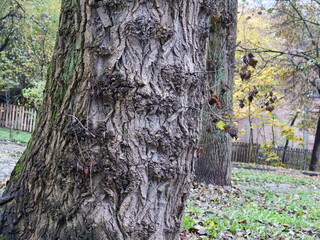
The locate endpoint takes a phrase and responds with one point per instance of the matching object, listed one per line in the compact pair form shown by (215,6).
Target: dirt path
(9,155)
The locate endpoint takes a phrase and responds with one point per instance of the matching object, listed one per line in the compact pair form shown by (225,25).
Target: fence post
(17,117)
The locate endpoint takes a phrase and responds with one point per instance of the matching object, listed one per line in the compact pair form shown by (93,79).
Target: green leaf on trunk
(220,125)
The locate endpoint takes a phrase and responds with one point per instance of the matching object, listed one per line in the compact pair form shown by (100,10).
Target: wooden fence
(17,117)
(295,158)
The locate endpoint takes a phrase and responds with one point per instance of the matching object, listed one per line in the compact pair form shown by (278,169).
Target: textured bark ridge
(214,164)
(113,153)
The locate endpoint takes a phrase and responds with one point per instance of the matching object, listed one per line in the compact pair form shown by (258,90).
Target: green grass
(262,205)
(17,136)
(263,177)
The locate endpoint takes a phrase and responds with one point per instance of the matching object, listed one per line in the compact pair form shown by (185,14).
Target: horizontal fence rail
(17,117)
(296,158)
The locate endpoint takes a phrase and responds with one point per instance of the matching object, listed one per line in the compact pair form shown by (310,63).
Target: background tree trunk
(213,166)
(316,149)
(113,152)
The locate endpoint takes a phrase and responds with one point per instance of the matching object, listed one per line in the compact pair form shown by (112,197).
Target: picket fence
(17,117)
(295,158)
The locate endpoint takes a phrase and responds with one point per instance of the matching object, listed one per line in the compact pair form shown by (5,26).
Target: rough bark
(316,150)
(214,164)
(112,155)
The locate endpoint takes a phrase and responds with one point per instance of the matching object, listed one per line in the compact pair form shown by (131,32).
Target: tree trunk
(213,166)
(113,152)
(316,149)
(283,159)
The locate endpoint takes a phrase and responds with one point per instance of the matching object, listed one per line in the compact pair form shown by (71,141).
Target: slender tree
(303,18)
(297,28)
(214,164)
(315,151)
(113,151)
(27,38)
(9,16)
(283,158)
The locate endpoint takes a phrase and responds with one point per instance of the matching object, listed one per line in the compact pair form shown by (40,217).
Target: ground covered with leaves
(260,205)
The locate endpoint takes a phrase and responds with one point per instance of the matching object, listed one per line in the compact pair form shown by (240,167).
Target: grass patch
(17,136)
(261,205)
(262,178)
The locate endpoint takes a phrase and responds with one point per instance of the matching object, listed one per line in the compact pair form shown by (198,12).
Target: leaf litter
(259,205)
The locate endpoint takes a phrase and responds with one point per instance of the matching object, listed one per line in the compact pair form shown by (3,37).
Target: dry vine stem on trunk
(113,152)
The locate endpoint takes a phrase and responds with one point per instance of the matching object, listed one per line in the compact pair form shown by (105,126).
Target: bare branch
(261,50)
(298,18)
(317,1)
(306,26)
(31,17)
